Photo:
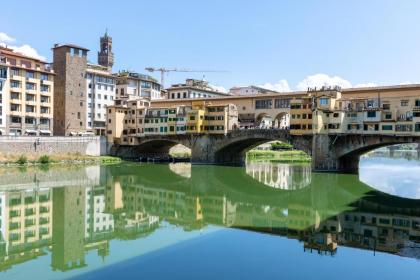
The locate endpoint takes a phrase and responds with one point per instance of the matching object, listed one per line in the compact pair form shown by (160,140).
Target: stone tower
(70,89)
(105,55)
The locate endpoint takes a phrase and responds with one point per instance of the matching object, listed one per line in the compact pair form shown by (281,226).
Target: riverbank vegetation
(279,156)
(68,158)
(278,151)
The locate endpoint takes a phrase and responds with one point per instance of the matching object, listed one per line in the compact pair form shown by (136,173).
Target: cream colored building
(26,95)
(336,112)
(131,85)
(125,121)
(193,88)
(26,217)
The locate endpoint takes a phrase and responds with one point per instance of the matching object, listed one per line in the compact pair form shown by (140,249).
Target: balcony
(15,100)
(31,102)
(29,222)
(14,213)
(30,114)
(16,113)
(43,221)
(29,212)
(14,225)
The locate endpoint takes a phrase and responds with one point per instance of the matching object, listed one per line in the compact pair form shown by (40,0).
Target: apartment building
(83,90)
(193,89)
(213,119)
(100,86)
(131,85)
(129,120)
(26,95)
(26,219)
(301,115)
(333,113)
(126,120)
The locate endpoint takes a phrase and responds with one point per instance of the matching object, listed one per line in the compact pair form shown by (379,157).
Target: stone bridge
(337,152)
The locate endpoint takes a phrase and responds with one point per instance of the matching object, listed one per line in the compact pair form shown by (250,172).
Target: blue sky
(258,42)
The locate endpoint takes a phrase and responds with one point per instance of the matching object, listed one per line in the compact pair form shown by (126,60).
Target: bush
(22,160)
(44,159)
(281,146)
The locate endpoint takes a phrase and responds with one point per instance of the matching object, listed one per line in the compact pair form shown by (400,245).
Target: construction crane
(163,71)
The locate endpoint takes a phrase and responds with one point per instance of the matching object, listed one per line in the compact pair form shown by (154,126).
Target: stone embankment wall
(38,145)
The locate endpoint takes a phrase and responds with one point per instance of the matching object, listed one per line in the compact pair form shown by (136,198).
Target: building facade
(329,111)
(83,90)
(26,95)
(129,120)
(100,86)
(132,85)
(193,89)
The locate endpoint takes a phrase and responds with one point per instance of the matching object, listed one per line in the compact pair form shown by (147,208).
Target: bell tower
(105,55)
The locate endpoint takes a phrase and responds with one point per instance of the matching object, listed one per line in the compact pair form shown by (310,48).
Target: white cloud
(319,80)
(24,49)
(218,88)
(280,86)
(406,83)
(369,84)
(6,38)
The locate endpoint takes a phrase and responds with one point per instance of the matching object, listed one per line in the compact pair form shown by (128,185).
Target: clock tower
(105,55)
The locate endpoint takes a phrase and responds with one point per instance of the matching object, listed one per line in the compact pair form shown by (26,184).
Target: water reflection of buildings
(279,175)
(70,221)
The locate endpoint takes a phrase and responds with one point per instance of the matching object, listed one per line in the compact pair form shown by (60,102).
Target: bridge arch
(282,120)
(264,120)
(232,149)
(276,121)
(149,147)
(342,153)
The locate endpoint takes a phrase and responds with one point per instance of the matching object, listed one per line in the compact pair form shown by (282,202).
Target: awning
(30,131)
(45,131)
(73,133)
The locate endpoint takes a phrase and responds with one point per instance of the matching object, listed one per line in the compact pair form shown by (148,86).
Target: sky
(279,44)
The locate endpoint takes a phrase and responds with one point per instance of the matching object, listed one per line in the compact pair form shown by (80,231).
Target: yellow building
(195,117)
(219,119)
(132,119)
(301,115)
(28,218)
(27,91)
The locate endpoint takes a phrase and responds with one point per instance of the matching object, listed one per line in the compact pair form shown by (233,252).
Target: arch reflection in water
(129,202)
(280,175)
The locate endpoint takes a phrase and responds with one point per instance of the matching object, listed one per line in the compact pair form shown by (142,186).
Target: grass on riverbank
(68,158)
(180,154)
(279,156)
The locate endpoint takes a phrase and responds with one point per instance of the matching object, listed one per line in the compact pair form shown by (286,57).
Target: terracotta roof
(10,52)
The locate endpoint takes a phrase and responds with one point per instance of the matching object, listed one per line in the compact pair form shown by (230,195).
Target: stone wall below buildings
(90,145)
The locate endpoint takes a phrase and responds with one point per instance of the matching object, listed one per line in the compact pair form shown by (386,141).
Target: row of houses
(130,119)
(327,111)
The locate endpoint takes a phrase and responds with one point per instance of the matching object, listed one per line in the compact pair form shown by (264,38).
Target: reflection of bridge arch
(280,175)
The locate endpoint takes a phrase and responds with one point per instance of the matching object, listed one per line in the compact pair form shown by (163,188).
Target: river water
(177,221)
